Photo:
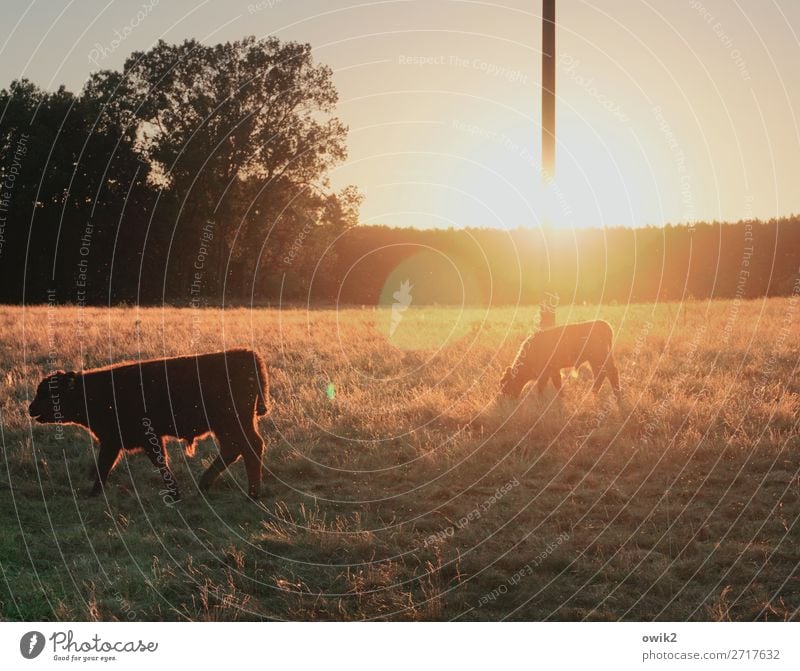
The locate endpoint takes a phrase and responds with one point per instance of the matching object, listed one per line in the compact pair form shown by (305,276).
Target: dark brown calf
(542,356)
(136,406)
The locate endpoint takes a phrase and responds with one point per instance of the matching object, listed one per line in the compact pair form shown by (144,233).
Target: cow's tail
(610,366)
(262,398)
(609,339)
(608,343)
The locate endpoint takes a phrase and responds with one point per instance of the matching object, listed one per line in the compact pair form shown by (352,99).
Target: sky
(669,111)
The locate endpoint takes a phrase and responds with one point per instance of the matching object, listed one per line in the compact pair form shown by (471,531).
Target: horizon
(792,217)
(676,115)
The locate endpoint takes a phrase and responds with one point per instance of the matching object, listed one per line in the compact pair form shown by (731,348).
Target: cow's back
(568,345)
(177,396)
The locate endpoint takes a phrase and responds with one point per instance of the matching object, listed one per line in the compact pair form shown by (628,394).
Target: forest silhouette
(198,175)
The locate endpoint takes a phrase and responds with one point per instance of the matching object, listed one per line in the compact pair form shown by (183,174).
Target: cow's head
(58,399)
(512,382)
(527,366)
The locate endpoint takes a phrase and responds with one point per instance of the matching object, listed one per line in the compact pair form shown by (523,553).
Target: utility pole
(547,308)
(548,90)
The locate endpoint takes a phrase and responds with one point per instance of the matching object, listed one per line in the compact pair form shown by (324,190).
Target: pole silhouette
(549,89)
(547,308)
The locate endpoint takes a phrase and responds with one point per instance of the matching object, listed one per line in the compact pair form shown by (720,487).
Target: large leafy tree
(127,177)
(238,135)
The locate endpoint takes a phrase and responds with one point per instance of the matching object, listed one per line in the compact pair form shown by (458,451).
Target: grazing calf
(542,356)
(136,406)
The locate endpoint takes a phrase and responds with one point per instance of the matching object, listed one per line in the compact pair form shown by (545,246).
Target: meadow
(398,487)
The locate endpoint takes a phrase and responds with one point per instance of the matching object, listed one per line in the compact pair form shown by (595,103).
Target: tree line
(198,175)
(744,260)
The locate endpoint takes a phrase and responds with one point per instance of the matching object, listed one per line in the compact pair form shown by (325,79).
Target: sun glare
(603,179)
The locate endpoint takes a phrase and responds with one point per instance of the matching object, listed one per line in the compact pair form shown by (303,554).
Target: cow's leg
(541,383)
(160,460)
(253,453)
(227,455)
(613,376)
(519,387)
(599,372)
(247,443)
(109,453)
(555,376)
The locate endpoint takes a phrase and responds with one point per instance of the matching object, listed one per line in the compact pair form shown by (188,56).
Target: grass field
(397,487)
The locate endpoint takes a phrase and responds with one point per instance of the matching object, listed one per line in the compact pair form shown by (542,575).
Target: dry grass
(412,493)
